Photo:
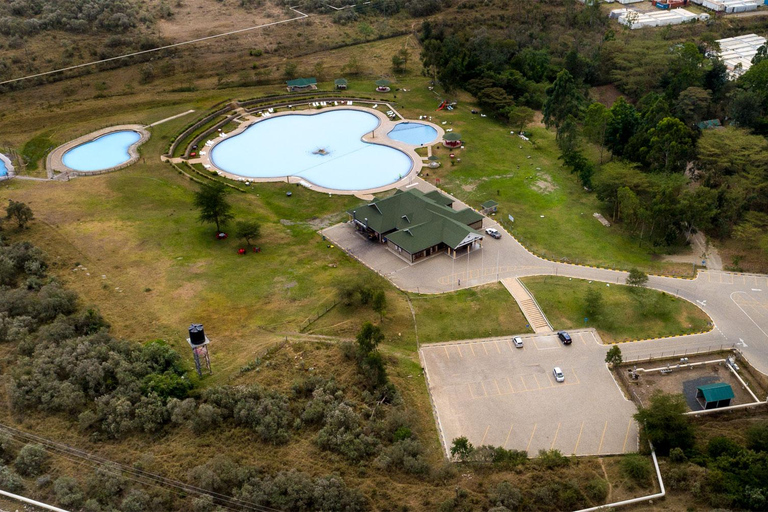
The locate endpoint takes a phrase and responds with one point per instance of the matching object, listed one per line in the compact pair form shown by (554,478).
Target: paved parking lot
(500,395)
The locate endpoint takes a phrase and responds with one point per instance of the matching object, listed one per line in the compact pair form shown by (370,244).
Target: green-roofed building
(415,225)
(712,396)
(340,83)
(301,84)
(489,206)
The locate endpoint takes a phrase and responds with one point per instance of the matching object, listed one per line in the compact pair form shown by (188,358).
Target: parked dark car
(564,337)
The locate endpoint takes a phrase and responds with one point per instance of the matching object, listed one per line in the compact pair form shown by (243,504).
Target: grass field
(627,314)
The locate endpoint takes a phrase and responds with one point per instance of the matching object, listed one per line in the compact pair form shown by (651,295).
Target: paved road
(737,303)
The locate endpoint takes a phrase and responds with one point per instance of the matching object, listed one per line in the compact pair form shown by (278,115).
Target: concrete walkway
(528,305)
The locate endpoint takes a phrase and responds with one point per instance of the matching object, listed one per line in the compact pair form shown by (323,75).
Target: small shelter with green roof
(340,83)
(301,84)
(415,225)
(489,206)
(451,140)
(712,396)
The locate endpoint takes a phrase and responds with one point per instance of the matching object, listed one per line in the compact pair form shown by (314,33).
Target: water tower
(199,343)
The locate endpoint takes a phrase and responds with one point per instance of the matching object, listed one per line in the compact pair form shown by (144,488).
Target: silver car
(559,375)
(518,341)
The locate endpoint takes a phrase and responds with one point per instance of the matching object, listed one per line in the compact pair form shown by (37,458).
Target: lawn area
(627,313)
(470,313)
(552,212)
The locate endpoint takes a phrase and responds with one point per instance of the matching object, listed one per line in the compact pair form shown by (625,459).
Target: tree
(461,448)
(614,357)
(563,100)
(379,303)
(20,212)
(637,277)
(400,60)
(568,140)
(671,146)
(761,55)
(595,125)
(664,423)
(746,107)
(593,304)
(693,104)
(248,230)
(520,116)
(32,460)
(621,127)
(291,70)
(369,338)
(212,202)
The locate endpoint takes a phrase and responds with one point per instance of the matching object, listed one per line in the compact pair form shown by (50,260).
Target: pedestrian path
(528,305)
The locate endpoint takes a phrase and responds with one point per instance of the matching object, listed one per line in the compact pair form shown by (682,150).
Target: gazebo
(340,83)
(382,85)
(451,140)
(489,206)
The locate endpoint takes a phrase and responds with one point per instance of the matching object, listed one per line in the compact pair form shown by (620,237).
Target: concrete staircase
(528,305)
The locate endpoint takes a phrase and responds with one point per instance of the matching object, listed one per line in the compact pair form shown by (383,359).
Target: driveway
(737,303)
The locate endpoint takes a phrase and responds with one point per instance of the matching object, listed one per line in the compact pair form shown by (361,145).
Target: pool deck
(377,136)
(8,166)
(54,162)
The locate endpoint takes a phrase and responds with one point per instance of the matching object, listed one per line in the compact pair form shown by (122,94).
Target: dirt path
(701,250)
(608,498)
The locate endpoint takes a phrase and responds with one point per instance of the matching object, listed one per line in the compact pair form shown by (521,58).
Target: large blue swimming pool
(107,151)
(293,145)
(413,133)
(3,168)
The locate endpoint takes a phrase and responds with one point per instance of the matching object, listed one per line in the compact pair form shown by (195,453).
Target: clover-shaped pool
(324,149)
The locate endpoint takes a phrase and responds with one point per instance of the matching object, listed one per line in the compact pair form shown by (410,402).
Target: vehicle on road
(564,337)
(559,375)
(493,233)
(518,341)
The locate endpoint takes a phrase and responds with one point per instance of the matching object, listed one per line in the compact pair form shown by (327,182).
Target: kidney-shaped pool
(105,152)
(325,149)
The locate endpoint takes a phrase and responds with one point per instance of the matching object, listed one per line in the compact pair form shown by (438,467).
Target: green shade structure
(452,136)
(433,158)
(382,83)
(340,83)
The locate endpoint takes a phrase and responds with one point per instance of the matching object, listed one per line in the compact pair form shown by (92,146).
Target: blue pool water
(102,153)
(3,169)
(288,145)
(413,133)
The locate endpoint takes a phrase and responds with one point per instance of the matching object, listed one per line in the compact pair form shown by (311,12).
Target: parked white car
(493,233)
(517,341)
(559,375)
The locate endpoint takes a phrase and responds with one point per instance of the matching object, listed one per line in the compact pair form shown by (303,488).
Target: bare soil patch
(543,183)
(605,94)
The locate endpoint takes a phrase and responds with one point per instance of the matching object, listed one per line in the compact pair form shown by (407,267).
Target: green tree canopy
(671,146)
(664,422)
(211,201)
(622,125)
(614,357)
(563,99)
(596,122)
(20,212)
(248,230)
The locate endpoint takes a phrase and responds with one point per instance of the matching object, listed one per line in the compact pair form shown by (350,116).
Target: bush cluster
(23,17)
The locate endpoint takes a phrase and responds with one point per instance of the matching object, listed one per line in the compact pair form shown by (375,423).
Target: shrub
(68,492)
(461,448)
(297,492)
(551,459)
(444,473)
(105,484)
(722,446)
(406,455)
(636,467)
(505,495)
(757,437)
(218,474)
(136,501)
(677,455)
(343,434)
(7,453)
(31,460)
(10,481)
(597,490)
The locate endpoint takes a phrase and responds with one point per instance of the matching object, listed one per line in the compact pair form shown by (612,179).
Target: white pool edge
(385,126)
(55,162)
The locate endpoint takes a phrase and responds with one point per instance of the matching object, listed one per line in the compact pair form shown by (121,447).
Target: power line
(83,458)
(159,48)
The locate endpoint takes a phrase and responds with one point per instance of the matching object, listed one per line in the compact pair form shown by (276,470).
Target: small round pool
(105,152)
(413,133)
(325,149)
